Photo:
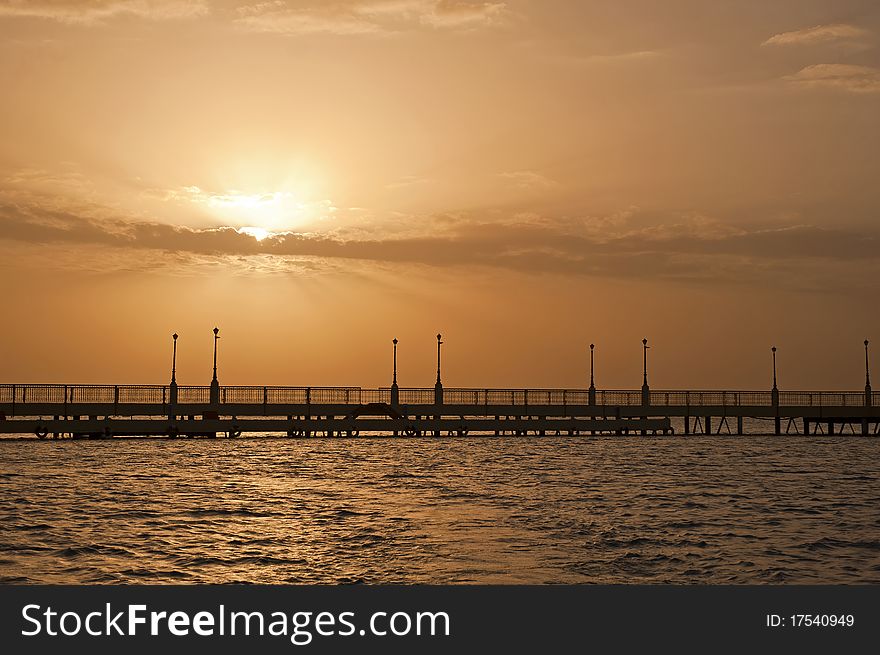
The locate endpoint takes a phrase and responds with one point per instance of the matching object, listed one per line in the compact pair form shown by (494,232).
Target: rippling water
(448,510)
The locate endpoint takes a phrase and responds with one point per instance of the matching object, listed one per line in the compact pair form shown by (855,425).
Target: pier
(90,411)
(176,411)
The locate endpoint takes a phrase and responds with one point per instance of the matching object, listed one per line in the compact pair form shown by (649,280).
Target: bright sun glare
(258,233)
(259,215)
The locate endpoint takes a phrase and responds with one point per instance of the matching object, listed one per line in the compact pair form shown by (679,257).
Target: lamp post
(216,337)
(174,360)
(592,390)
(172,408)
(215,385)
(774,393)
(395,392)
(438,387)
(646,390)
(868,395)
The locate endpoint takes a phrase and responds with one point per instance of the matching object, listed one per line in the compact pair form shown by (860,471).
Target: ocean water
(699,509)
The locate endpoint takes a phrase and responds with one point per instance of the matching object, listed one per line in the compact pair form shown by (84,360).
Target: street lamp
(773,350)
(868,395)
(591,396)
(774,393)
(646,392)
(438,387)
(215,385)
(439,343)
(395,392)
(174,359)
(216,337)
(172,400)
(592,383)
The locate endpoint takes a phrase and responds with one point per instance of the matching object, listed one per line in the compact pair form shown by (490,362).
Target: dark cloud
(683,251)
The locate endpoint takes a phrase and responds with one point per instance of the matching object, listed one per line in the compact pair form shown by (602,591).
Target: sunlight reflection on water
(448,510)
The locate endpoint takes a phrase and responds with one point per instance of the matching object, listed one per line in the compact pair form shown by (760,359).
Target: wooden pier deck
(106,411)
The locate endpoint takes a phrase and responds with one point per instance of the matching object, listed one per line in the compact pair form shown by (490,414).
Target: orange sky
(526,177)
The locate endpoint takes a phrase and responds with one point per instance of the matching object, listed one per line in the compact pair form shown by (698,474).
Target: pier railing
(274,395)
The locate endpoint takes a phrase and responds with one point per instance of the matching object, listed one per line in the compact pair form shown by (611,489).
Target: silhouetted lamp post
(646,391)
(215,385)
(774,393)
(174,359)
(438,387)
(172,415)
(868,398)
(395,392)
(592,390)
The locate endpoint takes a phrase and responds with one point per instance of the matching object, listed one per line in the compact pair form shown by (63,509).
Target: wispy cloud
(841,77)
(529,180)
(407,181)
(368,16)
(630,57)
(818,34)
(92,12)
(634,55)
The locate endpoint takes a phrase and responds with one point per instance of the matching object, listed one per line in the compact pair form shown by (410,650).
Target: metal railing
(25,394)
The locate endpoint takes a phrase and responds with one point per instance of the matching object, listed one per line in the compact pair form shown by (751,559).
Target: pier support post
(806,425)
(777,426)
(864,427)
(739,425)
(831,428)
(708,425)
(687,424)
(172,402)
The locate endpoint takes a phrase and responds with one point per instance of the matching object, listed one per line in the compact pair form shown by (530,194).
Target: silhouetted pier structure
(105,411)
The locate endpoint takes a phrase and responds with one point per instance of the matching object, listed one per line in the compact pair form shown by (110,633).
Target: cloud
(277,18)
(689,248)
(90,12)
(635,55)
(457,13)
(529,180)
(407,181)
(818,34)
(357,17)
(843,77)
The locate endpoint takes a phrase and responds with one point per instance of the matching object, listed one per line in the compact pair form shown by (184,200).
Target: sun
(258,233)
(256,214)
(259,214)
(262,213)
